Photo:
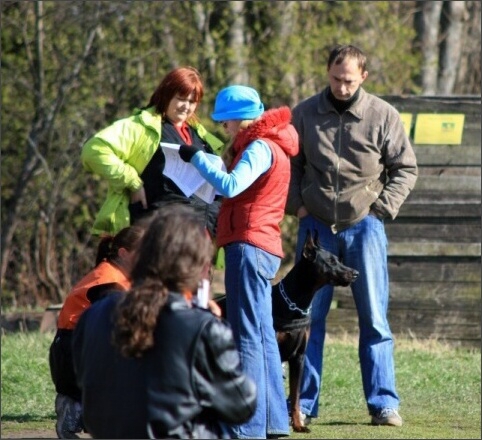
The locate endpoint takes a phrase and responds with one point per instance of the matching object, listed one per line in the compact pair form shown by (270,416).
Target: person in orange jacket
(113,263)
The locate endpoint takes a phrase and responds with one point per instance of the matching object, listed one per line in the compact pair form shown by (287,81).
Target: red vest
(77,301)
(254,215)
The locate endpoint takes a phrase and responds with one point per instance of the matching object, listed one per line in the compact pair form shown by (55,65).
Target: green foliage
(439,387)
(97,61)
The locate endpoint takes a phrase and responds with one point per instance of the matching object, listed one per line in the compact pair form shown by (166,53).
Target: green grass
(27,389)
(439,387)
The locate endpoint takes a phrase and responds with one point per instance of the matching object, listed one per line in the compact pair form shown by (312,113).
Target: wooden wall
(435,242)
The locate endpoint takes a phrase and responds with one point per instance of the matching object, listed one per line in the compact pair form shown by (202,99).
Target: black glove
(187,152)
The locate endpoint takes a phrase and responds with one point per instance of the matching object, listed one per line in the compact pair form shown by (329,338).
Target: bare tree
(202,15)
(427,19)
(237,45)
(454,14)
(469,76)
(286,28)
(42,127)
(445,37)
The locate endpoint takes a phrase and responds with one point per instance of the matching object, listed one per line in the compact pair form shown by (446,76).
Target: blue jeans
(362,247)
(248,308)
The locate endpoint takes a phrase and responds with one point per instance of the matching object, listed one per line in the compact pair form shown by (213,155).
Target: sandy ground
(34,433)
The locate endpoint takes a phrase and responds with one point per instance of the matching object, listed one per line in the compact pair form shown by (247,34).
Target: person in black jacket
(152,362)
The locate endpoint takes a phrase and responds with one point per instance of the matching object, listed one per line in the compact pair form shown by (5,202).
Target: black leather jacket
(187,386)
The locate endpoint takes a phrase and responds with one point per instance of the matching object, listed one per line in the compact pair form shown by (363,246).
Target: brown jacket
(350,164)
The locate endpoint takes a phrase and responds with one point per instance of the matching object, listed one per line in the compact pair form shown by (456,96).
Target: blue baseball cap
(237,103)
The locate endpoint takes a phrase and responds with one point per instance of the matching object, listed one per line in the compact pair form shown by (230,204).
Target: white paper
(186,176)
(203,293)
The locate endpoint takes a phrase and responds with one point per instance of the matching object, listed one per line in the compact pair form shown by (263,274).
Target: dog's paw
(299,422)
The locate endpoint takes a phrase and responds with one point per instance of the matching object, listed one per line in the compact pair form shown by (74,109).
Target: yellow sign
(443,129)
(407,122)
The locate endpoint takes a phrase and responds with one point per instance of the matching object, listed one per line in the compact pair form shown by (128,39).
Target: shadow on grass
(335,423)
(24,418)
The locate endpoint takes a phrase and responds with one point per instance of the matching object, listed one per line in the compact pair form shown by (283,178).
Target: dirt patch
(34,433)
(29,433)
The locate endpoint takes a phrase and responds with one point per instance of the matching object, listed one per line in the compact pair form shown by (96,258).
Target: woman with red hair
(128,154)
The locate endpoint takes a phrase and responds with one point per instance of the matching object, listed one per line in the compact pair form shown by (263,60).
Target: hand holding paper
(187,152)
(184,175)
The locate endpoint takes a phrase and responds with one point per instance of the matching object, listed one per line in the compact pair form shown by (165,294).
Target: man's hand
(187,152)
(302,211)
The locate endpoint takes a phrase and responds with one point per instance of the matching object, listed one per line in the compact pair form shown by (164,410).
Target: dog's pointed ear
(309,238)
(316,240)
(309,246)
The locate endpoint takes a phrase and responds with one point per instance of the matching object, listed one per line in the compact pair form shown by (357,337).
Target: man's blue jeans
(364,248)
(249,271)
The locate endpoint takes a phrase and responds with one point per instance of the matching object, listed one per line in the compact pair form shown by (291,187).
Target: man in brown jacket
(355,167)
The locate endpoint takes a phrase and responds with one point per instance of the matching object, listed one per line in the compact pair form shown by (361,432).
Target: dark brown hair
(172,255)
(181,81)
(109,245)
(342,51)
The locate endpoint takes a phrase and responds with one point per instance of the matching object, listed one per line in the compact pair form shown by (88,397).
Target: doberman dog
(291,300)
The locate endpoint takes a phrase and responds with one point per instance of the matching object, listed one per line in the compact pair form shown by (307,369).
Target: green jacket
(119,153)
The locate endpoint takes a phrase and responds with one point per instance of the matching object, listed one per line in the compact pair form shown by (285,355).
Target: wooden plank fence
(435,242)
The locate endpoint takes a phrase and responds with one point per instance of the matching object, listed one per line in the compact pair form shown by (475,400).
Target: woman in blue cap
(255,189)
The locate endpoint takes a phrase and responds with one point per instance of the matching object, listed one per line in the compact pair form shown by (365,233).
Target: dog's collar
(289,325)
(291,305)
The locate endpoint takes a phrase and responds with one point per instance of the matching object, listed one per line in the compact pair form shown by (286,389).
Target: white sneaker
(388,417)
(305,419)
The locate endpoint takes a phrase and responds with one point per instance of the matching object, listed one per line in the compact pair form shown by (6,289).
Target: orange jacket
(77,300)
